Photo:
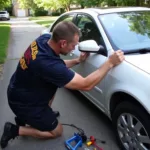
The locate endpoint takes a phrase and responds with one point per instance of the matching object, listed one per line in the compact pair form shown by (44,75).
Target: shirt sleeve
(54,71)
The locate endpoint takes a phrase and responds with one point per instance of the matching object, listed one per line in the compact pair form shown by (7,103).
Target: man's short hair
(65,30)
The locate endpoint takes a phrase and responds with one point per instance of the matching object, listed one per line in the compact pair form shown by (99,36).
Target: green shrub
(9,9)
(56,13)
(40,12)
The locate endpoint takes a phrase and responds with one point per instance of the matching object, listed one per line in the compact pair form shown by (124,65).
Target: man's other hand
(116,58)
(83,56)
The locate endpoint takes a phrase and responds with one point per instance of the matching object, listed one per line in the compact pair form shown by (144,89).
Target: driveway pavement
(74,108)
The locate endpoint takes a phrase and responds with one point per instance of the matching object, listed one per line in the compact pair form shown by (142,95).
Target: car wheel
(4,19)
(131,123)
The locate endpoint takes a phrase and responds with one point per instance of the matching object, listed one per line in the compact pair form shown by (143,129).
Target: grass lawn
(4,38)
(45,20)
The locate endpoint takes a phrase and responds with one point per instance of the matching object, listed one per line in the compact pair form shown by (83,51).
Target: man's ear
(63,43)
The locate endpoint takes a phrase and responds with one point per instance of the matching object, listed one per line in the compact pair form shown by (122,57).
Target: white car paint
(127,77)
(131,77)
(4,15)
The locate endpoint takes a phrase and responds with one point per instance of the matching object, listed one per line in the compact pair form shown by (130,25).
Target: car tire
(4,19)
(131,122)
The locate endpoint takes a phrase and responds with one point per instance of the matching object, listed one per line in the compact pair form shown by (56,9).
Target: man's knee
(57,131)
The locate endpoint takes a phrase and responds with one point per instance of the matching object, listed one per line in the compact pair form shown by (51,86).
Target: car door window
(64,18)
(89,29)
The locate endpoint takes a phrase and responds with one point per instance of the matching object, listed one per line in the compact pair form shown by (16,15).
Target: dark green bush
(40,12)
(56,13)
(9,9)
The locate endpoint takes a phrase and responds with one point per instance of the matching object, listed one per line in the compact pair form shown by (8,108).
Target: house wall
(16,7)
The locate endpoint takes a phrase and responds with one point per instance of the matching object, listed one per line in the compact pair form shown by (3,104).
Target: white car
(124,93)
(4,15)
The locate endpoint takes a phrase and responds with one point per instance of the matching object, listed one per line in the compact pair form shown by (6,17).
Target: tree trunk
(149,3)
(68,8)
(113,3)
(82,6)
(137,2)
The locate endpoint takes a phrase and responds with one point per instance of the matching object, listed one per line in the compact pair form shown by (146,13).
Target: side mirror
(92,47)
(88,46)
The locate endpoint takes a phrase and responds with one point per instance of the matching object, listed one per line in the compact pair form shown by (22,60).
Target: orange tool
(92,142)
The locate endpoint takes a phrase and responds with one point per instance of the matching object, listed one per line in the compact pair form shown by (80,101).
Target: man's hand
(116,58)
(83,56)
(72,62)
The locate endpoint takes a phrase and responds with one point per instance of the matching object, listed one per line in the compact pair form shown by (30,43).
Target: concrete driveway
(74,108)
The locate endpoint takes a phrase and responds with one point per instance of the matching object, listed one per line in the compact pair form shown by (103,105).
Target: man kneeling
(38,75)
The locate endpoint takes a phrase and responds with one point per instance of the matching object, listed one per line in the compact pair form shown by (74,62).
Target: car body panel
(4,14)
(107,10)
(136,61)
(131,77)
(113,82)
(132,82)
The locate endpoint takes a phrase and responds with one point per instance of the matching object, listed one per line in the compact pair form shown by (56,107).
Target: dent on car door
(89,30)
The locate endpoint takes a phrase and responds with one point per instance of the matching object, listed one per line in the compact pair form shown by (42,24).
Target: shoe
(56,113)
(19,122)
(8,134)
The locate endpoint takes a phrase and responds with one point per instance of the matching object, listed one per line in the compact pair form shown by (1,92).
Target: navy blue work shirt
(38,75)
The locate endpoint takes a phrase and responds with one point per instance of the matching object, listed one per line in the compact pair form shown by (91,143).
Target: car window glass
(2,12)
(89,29)
(64,18)
(127,30)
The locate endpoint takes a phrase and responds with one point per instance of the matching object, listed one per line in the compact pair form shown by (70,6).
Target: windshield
(2,12)
(127,30)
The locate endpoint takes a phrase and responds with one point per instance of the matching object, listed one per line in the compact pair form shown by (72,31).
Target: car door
(89,30)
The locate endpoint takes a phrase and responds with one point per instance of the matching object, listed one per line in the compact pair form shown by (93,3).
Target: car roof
(106,10)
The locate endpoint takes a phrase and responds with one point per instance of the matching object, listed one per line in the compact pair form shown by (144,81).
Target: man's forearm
(72,62)
(95,77)
(88,82)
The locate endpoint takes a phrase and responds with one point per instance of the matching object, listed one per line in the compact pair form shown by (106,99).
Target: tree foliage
(65,4)
(87,3)
(53,4)
(139,23)
(48,4)
(120,2)
(27,4)
(125,2)
(4,3)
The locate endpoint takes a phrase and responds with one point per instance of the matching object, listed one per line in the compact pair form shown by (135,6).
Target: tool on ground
(80,138)
(78,141)
(93,142)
